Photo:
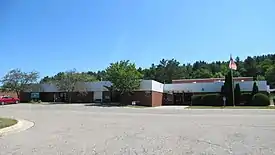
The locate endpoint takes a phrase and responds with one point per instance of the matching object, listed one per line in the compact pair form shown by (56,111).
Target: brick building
(150,93)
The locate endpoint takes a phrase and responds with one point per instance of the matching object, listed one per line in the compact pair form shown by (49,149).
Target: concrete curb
(21,125)
(170,107)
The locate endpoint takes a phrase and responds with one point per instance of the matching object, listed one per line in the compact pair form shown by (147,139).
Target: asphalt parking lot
(87,130)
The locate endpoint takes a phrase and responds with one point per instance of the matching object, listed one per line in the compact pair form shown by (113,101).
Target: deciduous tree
(72,81)
(259,67)
(124,76)
(270,75)
(17,80)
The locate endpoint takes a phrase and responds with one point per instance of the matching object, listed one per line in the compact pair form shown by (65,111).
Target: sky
(58,35)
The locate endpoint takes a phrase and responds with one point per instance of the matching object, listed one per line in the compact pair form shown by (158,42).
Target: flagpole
(231,68)
(233,95)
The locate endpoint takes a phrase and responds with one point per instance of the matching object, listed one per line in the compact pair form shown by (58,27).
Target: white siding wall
(193,87)
(248,85)
(97,86)
(145,85)
(211,87)
(151,85)
(157,86)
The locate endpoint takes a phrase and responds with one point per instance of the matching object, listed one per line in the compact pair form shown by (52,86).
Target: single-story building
(150,93)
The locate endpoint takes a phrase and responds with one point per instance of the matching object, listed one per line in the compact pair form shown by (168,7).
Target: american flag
(232,64)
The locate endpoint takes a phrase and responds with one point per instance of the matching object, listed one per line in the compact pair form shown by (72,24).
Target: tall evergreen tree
(255,89)
(237,94)
(228,88)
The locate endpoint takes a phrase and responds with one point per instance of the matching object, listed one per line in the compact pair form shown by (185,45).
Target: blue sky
(57,35)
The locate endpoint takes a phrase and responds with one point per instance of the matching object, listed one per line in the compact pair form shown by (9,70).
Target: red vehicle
(8,100)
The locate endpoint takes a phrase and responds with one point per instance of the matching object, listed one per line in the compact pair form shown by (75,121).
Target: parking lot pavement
(79,130)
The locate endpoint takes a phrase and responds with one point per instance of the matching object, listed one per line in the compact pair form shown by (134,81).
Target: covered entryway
(182,98)
(98,96)
(178,98)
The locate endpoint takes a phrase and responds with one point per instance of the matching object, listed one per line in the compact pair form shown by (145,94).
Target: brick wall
(12,94)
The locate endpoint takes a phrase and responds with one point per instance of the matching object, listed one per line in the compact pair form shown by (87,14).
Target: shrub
(260,99)
(197,100)
(237,93)
(255,89)
(212,100)
(245,98)
(223,90)
(35,101)
(228,88)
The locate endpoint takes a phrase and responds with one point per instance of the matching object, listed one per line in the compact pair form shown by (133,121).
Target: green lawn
(6,122)
(231,107)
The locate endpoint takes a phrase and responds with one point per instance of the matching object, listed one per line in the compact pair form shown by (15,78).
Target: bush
(197,100)
(212,100)
(237,93)
(260,99)
(222,90)
(35,101)
(245,98)
(207,100)
(255,89)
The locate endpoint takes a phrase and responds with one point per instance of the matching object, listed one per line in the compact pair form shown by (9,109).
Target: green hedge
(212,100)
(207,100)
(246,98)
(260,99)
(197,99)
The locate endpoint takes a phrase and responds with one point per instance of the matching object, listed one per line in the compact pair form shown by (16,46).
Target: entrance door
(98,96)
(178,99)
(187,98)
(62,97)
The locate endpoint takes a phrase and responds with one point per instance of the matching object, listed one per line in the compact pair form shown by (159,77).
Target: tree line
(125,76)
(259,67)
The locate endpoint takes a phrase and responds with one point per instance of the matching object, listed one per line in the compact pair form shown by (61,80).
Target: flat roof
(212,79)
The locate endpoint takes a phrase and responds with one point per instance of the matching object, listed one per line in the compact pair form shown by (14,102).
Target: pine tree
(222,90)
(237,93)
(255,89)
(228,88)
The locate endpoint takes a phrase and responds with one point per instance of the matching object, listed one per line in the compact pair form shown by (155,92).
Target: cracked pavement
(86,130)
